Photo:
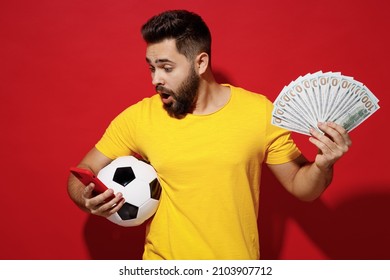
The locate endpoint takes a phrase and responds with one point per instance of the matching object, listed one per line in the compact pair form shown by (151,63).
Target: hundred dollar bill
(295,97)
(289,126)
(341,95)
(321,97)
(346,100)
(291,108)
(362,107)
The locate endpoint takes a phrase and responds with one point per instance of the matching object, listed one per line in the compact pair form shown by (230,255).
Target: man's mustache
(161,89)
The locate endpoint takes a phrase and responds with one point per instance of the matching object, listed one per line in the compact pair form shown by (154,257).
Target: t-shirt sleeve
(118,139)
(281,148)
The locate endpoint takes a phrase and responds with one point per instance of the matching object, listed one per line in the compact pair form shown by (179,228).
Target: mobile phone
(86,177)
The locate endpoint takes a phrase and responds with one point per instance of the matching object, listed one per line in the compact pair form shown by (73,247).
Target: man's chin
(174,113)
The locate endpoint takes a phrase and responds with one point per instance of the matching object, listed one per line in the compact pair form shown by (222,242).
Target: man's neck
(211,97)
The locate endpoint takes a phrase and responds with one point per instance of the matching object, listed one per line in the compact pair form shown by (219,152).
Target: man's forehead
(163,52)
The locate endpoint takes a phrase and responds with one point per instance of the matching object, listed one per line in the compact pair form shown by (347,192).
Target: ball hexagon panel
(144,171)
(148,207)
(137,192)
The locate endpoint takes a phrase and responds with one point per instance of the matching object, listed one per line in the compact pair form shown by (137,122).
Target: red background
(68,67)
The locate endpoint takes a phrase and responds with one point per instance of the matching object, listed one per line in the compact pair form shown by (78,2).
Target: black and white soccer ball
(137,181)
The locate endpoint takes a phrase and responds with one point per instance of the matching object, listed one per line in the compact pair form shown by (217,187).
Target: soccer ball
(138,183)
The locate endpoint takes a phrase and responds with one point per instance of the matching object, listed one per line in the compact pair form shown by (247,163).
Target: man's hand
(332,145)
(103,204)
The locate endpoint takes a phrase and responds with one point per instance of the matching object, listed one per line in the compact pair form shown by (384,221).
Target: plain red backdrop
(68,67)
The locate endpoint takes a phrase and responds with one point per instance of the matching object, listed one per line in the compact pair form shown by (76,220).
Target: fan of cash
(322,97)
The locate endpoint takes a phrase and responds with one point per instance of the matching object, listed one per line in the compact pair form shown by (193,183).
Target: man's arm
(82,195)
(306,180)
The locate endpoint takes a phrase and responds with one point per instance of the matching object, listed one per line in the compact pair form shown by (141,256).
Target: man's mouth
(164,95)
(166,98)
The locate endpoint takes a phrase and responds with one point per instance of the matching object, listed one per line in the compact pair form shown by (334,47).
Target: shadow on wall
(357,229)
(108,241)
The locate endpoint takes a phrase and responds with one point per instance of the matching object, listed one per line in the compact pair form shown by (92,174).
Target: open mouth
(165,95)
(166,98)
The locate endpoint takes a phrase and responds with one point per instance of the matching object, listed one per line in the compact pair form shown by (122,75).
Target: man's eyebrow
(161,60)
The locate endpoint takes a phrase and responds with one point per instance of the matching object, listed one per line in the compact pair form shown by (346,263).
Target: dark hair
(188,29)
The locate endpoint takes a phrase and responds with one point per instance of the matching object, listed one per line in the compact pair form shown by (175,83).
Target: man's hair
(188,29)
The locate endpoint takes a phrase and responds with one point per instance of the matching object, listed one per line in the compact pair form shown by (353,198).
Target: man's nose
(157,79)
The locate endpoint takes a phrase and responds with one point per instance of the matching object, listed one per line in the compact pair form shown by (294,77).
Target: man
(207,142)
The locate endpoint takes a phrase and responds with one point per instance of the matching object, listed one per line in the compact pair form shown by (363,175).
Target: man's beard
(184,99)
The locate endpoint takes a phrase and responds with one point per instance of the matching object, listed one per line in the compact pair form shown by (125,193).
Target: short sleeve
(118,139)
(281,148)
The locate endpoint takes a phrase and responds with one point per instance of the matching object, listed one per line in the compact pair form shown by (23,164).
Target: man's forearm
(75,191)
(310,181)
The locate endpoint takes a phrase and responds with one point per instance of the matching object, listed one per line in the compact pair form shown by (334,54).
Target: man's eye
(152,69)
(168,69)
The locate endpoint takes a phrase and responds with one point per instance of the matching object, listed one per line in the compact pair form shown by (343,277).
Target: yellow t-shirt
(209,167)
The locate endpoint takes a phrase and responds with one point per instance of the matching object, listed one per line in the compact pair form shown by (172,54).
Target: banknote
(322,97)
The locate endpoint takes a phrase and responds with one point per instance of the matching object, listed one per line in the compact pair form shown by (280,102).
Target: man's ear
(202,62)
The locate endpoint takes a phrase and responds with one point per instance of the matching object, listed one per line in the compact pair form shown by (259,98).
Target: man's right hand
(102,204)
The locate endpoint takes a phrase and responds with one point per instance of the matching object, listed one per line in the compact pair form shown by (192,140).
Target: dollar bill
(321,97)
